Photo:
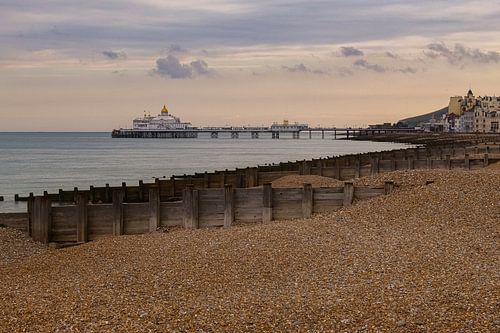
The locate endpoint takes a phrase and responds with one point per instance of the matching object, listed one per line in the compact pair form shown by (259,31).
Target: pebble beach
(422,259)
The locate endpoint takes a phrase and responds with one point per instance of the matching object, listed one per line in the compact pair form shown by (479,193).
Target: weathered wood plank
(172,213)
(15,220)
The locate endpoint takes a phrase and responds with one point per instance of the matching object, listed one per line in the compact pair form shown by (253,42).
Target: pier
(256,133)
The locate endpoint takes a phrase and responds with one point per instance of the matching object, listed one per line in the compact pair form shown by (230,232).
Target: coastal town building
(472,114)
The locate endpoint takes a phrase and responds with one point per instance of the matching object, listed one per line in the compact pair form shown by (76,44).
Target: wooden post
(239,179)
(448,162)
(206,180)
(388,187)
(467,161)
(485,160)
(393,163)
(124,188)
(256,176)
(411,163)
(171,187)
(336,171)
(357,167)
(429,162)
(29,228)
(222,179)
(75,194)
(304,168)
(320,167)
(228,205)
(141,191)
(60,195)
(92,194)
(82,218)
(42,219)
(154,208)
(118,212)
(251,175)
(374,165)
(307,200)
(267,203)
(107,194)
(348,193)
(190,200)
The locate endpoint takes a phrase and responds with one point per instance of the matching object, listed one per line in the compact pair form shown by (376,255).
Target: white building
(164,121)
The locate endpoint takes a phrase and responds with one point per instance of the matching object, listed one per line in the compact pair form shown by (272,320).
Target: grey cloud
(301,68)
(171,67)
(114,55)
(201,67)
(176,48)
(348,51)
(344,72)
(144,23)
(459,54)
(362,63)
(391,55)
(407,70)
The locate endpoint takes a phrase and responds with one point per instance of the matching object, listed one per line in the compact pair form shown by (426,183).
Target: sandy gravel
(15,245)
(423,259)
(294,181)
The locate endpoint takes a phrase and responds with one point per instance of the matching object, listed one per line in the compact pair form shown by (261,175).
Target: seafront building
(163,121)
(470,114)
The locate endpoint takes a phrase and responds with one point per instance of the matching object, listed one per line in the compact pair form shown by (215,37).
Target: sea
(34,162)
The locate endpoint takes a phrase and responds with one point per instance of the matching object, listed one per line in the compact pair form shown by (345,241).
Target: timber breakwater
(236,196)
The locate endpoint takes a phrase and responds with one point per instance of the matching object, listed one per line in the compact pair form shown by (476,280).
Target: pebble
(428,254)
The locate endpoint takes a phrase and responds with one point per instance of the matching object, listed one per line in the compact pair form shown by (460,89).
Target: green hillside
(413,121)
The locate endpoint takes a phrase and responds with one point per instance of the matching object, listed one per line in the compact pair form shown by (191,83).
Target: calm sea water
(33,162)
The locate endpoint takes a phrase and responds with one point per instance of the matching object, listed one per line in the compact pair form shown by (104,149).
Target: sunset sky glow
(94,65)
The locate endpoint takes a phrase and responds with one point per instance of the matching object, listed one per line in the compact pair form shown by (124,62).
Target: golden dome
(164,110)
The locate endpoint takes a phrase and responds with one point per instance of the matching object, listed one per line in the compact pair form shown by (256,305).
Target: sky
(94,65)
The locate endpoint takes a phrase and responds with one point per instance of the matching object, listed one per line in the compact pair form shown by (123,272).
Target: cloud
(344,72)
(176,48)
(171,67)
(201,67)
(348,51)
(301,68)
(114,55)
(391,55)
(362,63)
(407,70)
(460,54)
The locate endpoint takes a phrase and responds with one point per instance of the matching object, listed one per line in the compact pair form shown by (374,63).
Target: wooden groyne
(232,196)
(199,208)
(341,167)
(431,139)
(218,202)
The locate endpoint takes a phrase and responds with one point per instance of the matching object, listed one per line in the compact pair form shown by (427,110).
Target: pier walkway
(257,132)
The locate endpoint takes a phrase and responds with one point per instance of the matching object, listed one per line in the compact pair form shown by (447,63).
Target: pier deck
(255,133)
